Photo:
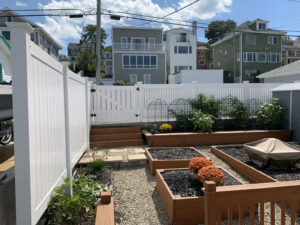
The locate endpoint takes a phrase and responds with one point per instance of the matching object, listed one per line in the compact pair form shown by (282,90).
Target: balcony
(142,47)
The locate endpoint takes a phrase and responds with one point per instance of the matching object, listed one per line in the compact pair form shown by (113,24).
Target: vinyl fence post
(246,92)
(140,101)
(210,209)
(87,107)
(67,129)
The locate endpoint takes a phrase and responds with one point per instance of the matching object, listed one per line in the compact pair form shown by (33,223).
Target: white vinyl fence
(126,104)
(51,123)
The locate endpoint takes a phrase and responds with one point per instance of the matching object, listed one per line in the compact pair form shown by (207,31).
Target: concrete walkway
(121,157)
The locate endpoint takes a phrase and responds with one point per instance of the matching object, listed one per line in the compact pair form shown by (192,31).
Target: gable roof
(287,70)
(245,28)
(8,11)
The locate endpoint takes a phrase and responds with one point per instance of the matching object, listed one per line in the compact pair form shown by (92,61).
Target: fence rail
(116,104)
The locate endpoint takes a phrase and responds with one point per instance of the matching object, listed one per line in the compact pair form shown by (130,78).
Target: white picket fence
(51,123)
(127,104)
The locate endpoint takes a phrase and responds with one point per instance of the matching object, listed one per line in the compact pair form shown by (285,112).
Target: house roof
(288,87)
(8,11)
(245,28)
(200,47)
(178,29)
(136,28)
(287,70)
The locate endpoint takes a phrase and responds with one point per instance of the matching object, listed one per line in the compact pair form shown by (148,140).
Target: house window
(249,57)
(124,42)
(6,34)
(139,62)
(133,78)
(164,37)
(138,43)
(49,50)
(272,40)
(147,79)
(175,49)
(8,19)
(261,57)
(262,26)
(183,50)
(274,57)
(181,37)
(199,53)
(1,73)
(36,40)
(201,62)
(151,43)
(250,40)
(190,49)
(179,68)
(32,36)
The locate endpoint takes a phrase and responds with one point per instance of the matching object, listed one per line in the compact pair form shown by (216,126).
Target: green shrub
(183,120)
(122,83)
(69,210)
(270,115)
(202,122)
(98,165)
(238,113)
(207,105)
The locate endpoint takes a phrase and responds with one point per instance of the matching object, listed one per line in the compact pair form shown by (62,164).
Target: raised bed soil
(174,153)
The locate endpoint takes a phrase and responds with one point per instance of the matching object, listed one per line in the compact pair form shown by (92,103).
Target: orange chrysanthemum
(211,173)
(197,163)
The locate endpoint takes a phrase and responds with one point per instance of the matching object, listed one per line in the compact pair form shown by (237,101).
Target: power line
(36,10)
(173,12)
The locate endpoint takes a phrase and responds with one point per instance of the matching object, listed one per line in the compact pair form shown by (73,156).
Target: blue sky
(282,14)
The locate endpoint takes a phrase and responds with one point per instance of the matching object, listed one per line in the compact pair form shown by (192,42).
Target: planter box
(247,171)
(185,210)
(214,138)
(155,164)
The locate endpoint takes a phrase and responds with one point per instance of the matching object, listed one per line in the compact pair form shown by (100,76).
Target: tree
(86,61)
(89,34)
(218,29)
(63,58)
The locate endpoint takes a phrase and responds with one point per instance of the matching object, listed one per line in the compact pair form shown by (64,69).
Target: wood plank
(262,213)
(272,209)
(252,211)
(105,213)
(241,215)
(112,137)
(229,216)
(122,143)
(293,216)
(283,213)
(99,131)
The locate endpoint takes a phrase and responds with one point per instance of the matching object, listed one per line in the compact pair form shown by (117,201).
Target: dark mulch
(181,182)
(174,153)
(280,174)
(99,177)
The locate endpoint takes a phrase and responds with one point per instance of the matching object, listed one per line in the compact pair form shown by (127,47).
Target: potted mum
(165,128)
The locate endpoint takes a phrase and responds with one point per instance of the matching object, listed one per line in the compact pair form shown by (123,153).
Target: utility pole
(98,44)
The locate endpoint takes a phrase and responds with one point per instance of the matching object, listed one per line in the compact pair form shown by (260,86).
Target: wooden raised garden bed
(187,209)
(214,138)
(167,158)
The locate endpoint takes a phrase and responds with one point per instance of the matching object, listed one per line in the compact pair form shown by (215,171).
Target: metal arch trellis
(226,104)
(179,106)
(253,105)
(157,111)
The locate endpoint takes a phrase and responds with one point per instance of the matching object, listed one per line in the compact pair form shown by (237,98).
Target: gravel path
(136,200)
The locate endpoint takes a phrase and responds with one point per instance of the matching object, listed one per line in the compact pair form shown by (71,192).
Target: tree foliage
(218,29)
(89,33)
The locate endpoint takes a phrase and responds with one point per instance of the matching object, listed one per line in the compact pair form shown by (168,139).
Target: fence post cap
(210,186)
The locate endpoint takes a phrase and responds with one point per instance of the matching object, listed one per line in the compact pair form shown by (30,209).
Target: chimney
(194,30)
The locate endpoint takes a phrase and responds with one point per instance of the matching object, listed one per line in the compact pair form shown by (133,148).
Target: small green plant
(270,115)
(68,210)
(203,122)
(238,113)
(183,120)
(207,105)
(98,165)
(122,83)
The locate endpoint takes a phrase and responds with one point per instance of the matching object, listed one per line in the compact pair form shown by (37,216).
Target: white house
(285,74)
(197,76)
(5,65)
(181,48)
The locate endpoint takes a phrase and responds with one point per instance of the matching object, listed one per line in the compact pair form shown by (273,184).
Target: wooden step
(115,137)
(115,130)
(119,143)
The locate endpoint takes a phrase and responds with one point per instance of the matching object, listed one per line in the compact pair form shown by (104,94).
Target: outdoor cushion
(272,152)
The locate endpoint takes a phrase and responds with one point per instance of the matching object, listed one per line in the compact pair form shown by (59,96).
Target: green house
(250,50)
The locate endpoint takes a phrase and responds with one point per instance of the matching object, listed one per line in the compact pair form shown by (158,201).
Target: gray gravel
(136,200)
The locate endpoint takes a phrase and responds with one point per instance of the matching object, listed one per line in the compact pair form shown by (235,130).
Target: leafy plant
(183,120)
(238,113)
(203,122)
(165,127)
(270,115)
(66,209)
(208,105)
(98,165)
(122,83)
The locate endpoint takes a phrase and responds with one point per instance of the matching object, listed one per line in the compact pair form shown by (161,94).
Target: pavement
(120,157)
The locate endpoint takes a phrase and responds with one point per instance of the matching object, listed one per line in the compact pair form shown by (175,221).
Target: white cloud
(21,4)
(63,28)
